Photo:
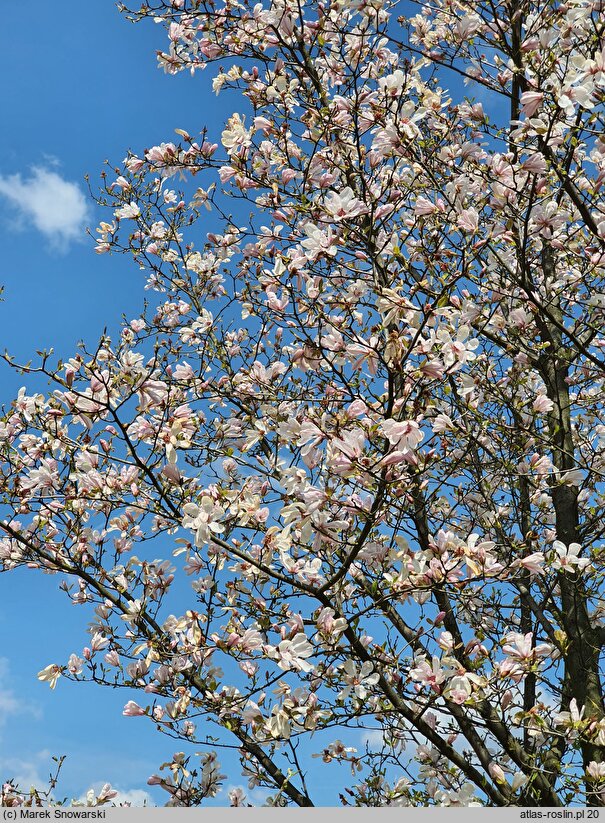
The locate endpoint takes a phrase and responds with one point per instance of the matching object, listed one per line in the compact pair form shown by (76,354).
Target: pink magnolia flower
(542,404)
(520,646)
(248,667)
(98,642)
(134,163)
(121,182)
(534,164)
(356,408)
(237,797)
(343,205)
(429,674)
(541,464)
(405,434)
(398,456)
(468,220)
(533,563)
(595,771)
(459,688)
(159,155)
(530,102)
(249,641)
(112,658)
(330,625)
(433,369)
(106,793)
(152,393)
(346,450)
(132,709)
(424,207)
(496,772)
(441,423)
(43,479)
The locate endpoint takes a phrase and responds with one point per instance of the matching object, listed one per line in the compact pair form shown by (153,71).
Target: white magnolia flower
(50,674)
(595,771)
(456,351)
(133,613)
(358,680)
(236,134)
(566,557)
(279,725)
(571,719)
(129,211)
(318,242)
(202,519)
(74,664)
(291,654)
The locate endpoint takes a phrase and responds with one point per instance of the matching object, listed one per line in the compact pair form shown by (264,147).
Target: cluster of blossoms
(14,797)
(363,413)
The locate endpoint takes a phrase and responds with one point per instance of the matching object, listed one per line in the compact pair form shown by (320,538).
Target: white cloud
(136,797)
(56,207)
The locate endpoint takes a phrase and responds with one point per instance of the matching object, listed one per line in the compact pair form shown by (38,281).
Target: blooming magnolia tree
(362,418)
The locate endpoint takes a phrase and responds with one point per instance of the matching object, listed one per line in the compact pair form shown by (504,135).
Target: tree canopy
(361,417)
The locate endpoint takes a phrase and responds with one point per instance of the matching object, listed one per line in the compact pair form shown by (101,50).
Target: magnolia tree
(361,418)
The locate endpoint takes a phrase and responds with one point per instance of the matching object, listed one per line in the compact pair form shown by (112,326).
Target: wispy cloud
(373,739)
(10,703)
(27,772)
(35,771)
(56,207)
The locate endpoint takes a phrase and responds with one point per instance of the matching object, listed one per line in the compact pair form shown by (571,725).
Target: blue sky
(80,85)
